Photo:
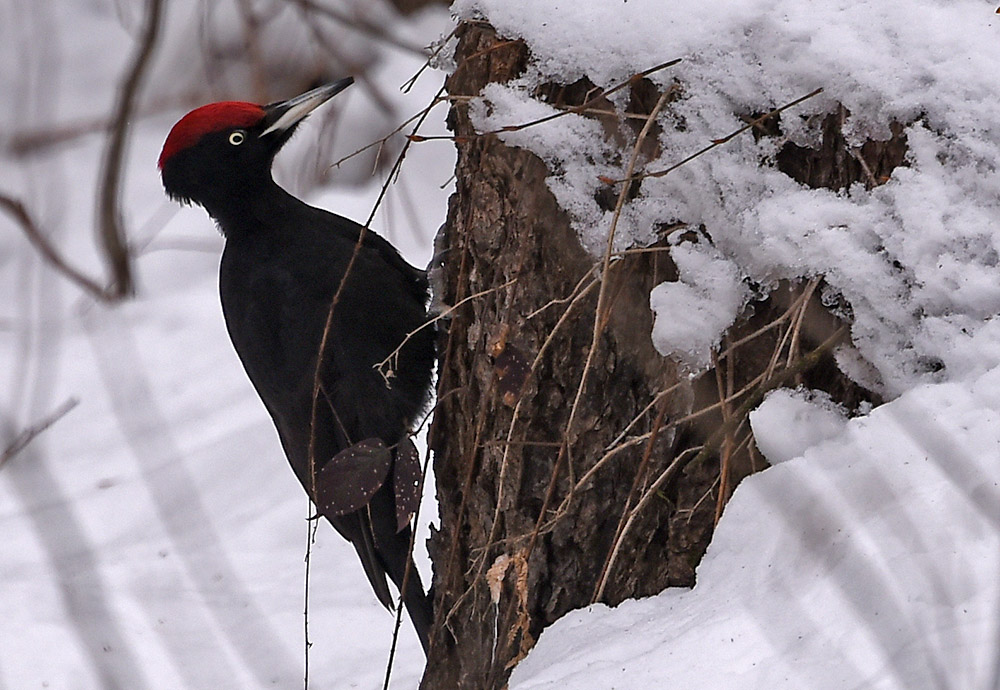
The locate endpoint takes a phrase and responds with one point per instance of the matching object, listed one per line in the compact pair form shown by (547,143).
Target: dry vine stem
(724,384)
(406,574)
(392,357)
(602,295)
(626,514)
(719,142)
(311,457)
(574,300)
(441,44)
(381,142)
(576,109)
(600,317)
(620,444)
(803,364)
(517,408)
(731,348)
(729,429)
(675,466)
(599,323)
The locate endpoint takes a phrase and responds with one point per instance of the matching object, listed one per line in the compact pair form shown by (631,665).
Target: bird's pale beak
(284,115)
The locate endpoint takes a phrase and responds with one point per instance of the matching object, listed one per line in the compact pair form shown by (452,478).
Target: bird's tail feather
(356,528)
(393,549)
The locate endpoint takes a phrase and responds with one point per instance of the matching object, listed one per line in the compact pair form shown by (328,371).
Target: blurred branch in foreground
(29,434)
(38,239)
(109,214)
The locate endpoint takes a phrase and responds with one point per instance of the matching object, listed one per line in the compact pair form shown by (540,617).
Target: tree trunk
(531,402)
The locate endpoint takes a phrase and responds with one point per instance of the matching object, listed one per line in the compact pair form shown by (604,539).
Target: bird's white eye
(237,137)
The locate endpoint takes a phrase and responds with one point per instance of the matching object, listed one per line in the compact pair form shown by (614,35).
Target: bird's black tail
(393,550)
(384,551)
(419,606)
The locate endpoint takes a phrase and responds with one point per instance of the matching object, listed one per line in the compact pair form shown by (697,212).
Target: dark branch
(38,239)
(111,228)
(29,434)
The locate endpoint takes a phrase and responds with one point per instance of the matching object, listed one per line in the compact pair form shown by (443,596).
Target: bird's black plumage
(282,265)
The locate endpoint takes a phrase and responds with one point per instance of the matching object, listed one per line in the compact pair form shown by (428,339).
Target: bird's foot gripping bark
(349,481)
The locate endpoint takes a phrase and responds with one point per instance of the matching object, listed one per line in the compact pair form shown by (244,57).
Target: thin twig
(391,357)
(764,329)
(569,108)
(441,44)
(382,141)
(724,385)
(311,527)
(635,420)
(321,350)
(793,348)
(562,300)
(602,295)
(410,565)
(504,461)
(803,364)
(619,444)
(576,109)
(675,466)
(599,323)
(626,514)
(719,142)
(856,155)
(736,419)
(32,432)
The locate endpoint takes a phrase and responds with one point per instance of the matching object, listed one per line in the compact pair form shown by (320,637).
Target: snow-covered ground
(154,537)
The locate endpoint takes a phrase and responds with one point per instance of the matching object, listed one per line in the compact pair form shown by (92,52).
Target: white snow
(919,250)
(790,421)
(694,311)
(868,562)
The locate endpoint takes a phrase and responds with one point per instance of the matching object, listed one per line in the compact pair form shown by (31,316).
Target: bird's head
(220,153)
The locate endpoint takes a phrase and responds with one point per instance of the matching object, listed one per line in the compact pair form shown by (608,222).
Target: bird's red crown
(209,118)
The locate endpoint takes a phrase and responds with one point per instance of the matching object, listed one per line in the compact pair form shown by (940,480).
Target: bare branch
(723,140)
(27,141)
(387,373)
(110,223)
(582,108)
(29,434)
(600,316)
(38,239)
(361,25)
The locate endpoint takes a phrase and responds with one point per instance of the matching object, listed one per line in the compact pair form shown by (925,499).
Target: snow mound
(868,562)
(790,421)
(693,312)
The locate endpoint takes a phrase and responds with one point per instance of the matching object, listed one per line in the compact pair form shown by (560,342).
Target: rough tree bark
(526,531)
